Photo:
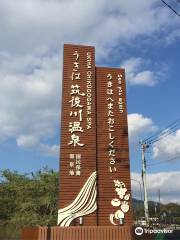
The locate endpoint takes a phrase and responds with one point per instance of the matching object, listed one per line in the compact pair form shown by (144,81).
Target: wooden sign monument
(95,190)
(94,163)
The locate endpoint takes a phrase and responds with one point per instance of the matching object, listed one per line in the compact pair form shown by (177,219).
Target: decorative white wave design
(84,204)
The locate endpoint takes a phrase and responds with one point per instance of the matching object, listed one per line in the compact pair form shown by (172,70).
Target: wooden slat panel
(92,233)
(70,186)
(121,169)
(30,233)
(80,233)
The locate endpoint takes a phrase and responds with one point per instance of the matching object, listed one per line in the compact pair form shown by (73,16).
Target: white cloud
(167,182)
(30,98)
(52,150)
(27,141)
(30,74)
(33,142)
(136,75)
(139,125)
(173,36)
(167,147)
(27,25)
(144,78)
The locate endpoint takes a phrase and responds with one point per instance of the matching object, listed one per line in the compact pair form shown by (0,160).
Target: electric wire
(162,132)
(170,7)
(164,161)
(165,134)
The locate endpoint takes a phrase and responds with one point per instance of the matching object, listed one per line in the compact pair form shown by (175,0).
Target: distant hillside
(170,210)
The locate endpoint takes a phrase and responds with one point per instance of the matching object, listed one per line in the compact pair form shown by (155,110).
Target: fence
(77,233)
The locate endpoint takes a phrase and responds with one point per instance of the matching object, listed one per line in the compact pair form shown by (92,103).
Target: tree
(28,200)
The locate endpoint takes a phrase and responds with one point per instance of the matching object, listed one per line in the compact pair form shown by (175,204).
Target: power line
(164,161)
(163,136)
(170,7)
(162,132)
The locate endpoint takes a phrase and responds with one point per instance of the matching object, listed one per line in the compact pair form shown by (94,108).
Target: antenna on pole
(144,146)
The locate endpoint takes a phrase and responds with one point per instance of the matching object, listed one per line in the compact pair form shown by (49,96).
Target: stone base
(78,233)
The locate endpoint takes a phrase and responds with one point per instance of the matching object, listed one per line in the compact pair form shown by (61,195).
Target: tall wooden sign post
(95,190)
(78,138)
(113,170)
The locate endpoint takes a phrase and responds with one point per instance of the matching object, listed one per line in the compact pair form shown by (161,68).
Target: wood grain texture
(70,186)
(106,188)
(78,233)
(95,152)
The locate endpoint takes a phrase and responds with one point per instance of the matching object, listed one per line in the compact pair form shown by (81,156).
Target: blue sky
(142,36)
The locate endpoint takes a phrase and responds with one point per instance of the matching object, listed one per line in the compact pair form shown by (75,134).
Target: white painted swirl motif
(84,203)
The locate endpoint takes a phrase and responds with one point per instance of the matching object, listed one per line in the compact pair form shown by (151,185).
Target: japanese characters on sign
(120,94)
(89,76)
(75,164)
(111,116)
(111,122)
(76,113)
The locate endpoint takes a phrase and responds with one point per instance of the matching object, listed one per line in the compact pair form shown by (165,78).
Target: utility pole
(140,188)
(159,198)
(144,146)
(155,209)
